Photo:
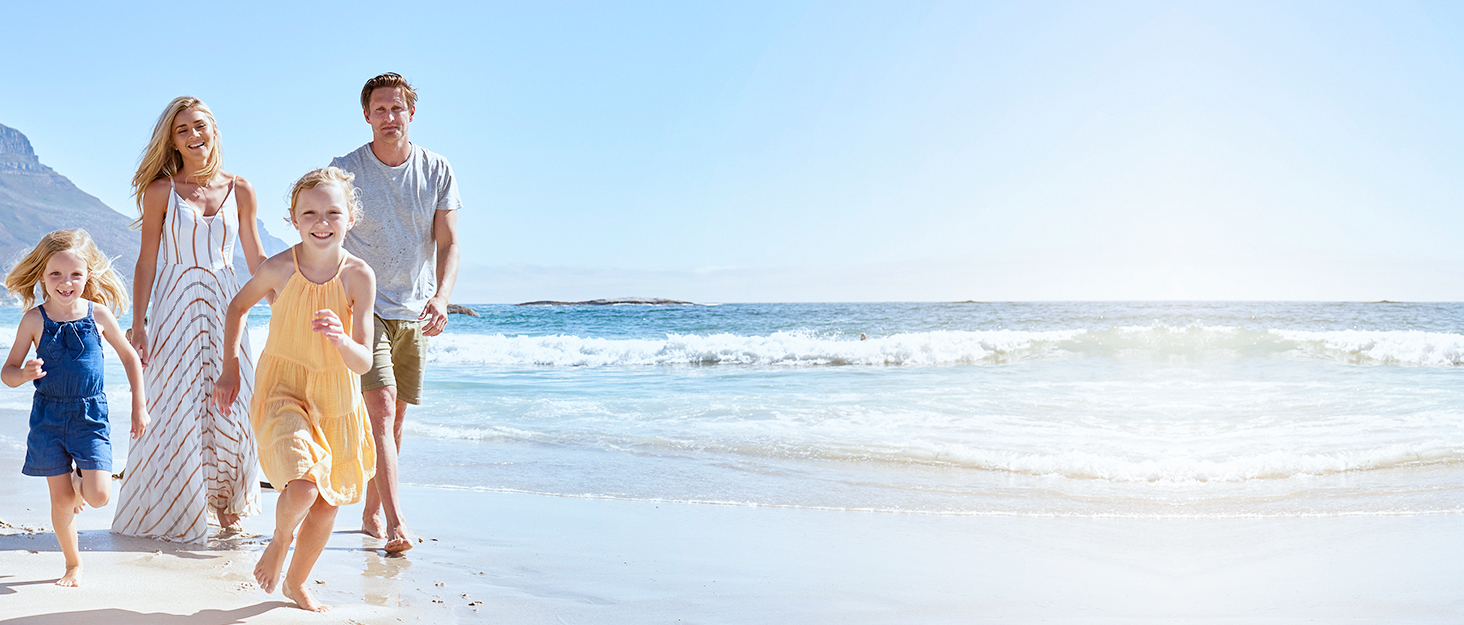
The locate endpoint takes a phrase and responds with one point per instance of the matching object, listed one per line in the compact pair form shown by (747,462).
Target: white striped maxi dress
(191,459)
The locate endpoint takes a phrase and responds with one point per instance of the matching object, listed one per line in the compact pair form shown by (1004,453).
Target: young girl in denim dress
(69,442)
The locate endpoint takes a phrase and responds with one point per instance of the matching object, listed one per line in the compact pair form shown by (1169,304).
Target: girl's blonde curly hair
(103,285)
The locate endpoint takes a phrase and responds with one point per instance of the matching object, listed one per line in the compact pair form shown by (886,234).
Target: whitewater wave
(953,347)
(1071,464)
(1271,465)
(1396,347)
(779,348)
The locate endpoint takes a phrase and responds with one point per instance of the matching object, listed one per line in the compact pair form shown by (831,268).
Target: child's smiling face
(65,277)
(323,215)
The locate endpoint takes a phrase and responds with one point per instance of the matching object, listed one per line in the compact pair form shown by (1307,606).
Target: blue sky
(828,151)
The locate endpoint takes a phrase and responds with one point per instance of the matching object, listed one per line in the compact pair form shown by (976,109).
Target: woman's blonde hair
(161,160)
(327,175)
(103,286)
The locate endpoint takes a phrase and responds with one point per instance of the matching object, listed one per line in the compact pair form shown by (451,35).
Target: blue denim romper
(69,413)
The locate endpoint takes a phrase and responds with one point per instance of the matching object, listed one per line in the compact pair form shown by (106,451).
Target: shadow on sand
(128,617)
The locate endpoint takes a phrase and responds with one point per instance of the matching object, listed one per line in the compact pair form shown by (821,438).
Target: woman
(193,460)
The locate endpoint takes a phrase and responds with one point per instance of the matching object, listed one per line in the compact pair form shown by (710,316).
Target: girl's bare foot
(80,502)
(72,578)
(303,598)
(271,564)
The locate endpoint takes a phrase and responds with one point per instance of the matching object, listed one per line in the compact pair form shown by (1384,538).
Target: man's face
(388,115)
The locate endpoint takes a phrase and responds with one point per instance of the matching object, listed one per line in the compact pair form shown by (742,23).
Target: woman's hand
(138,337)
(226,388)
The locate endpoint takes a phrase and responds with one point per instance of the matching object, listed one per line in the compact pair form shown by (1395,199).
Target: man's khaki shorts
(398,354)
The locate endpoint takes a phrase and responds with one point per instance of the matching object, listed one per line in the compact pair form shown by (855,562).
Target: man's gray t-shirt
(394,235)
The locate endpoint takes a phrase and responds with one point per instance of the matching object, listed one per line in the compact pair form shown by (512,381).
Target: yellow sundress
(307,411)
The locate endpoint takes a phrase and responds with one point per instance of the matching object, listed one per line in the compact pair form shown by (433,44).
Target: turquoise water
(1068,409)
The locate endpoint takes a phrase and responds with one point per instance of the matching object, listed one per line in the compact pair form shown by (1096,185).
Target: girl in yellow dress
(307,414)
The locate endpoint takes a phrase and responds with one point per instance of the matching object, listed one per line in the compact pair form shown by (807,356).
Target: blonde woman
(195,460)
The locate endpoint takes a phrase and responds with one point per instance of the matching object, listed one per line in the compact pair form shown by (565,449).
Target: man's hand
(434,317)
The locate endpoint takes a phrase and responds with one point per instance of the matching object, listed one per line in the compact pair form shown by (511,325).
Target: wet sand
(520,558)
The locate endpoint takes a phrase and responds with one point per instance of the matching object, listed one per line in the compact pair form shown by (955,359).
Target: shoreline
(543,559)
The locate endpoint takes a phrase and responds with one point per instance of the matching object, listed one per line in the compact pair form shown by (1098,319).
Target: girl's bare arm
(269,279)
(112,332)
(17,370)
(360,284)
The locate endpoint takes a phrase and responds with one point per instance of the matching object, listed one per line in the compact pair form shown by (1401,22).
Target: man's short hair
(387,80)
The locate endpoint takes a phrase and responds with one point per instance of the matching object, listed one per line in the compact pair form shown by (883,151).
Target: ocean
(1066,409)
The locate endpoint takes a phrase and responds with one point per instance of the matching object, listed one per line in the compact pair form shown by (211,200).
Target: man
(408,234)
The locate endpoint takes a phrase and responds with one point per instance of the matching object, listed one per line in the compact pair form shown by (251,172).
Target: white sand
(535,559)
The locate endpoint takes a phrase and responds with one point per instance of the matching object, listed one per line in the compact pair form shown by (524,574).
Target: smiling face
(65,277)
(389,114)
(194,134)
(322,215)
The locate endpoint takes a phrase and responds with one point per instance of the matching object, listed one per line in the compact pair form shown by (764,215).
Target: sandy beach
(517,558)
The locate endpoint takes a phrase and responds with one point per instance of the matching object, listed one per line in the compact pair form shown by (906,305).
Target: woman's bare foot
(271,564)
(374,525)
(399,542)
(227,520)
(72,578)
(302,597)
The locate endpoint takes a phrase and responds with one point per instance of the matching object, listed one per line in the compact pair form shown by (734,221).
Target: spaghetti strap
(294,259)
(230,192)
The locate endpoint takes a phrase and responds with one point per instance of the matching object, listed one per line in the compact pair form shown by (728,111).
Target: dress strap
(42,308)
(295,259)
(228,193)
(89,309)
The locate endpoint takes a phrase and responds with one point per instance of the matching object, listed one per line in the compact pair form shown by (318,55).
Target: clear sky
(826,151)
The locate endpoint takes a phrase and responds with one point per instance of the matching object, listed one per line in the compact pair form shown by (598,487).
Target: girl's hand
(327,323)
(32,370)
(139,421)
(138,337)
(226,388)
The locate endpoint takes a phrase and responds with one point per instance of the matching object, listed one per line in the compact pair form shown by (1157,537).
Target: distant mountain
(35,199)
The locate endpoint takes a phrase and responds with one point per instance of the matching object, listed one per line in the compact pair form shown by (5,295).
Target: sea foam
(954,347)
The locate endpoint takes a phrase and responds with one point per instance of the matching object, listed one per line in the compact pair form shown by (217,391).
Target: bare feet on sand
(72,578)
(227,520)
(400,541)
(271,564)
(303,598)
(374,525)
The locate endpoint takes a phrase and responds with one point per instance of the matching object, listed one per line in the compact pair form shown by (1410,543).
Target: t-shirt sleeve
(447,190)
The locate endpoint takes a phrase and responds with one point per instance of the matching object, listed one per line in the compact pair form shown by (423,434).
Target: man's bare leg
(382,494)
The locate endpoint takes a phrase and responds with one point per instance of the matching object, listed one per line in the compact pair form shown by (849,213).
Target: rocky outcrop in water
(459,309)
(608,302)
